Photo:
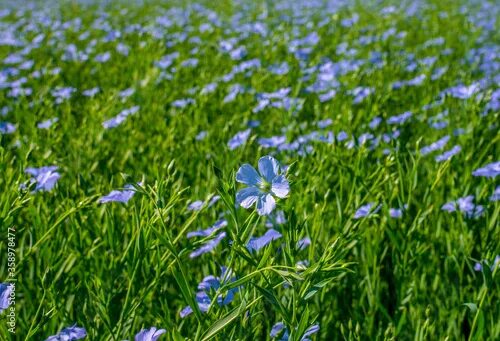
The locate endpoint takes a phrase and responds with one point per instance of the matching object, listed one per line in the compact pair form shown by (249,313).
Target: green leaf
(218,172)
(176,336)
(274,301)
(186,292)
(303,324)
(215,328)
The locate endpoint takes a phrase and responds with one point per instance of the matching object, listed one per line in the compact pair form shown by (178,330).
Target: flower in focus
(263,187)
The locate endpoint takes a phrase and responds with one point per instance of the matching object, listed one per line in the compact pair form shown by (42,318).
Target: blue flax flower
(375,122)
(120,118)
(342,136)
(151,334)
(309,331)
(69,334)
(273,141)
(462,91)
(239,139)
(262,187)
(195,205)
(118,196)
(207,232)
(207,286)
(490,170)
(464,205)
(399,119)
(5,292)
(303,243)
(45,178)
(201,135)
(257,243)
(397,212)
(496,195)
(448,154)
(324,123)
(276,219)
(479,265)
(209,246)
(7,128)
(366,210)
(278,327)
(439,144)
(90,92)
(47,123)
(203,301)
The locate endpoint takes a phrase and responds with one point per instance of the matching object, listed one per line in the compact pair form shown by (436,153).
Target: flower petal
(449,206)
(366,210)
(149,334)
(186,311)
(280,186)
(209,246)
(5,292)
(265,204)
(309,331)
(46,181)
(255,244)
(207,232)
(117,196)
(203,301)
(303,243)
(276,329)
(248,175)
(268,168)
(209,282)
(246,197)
